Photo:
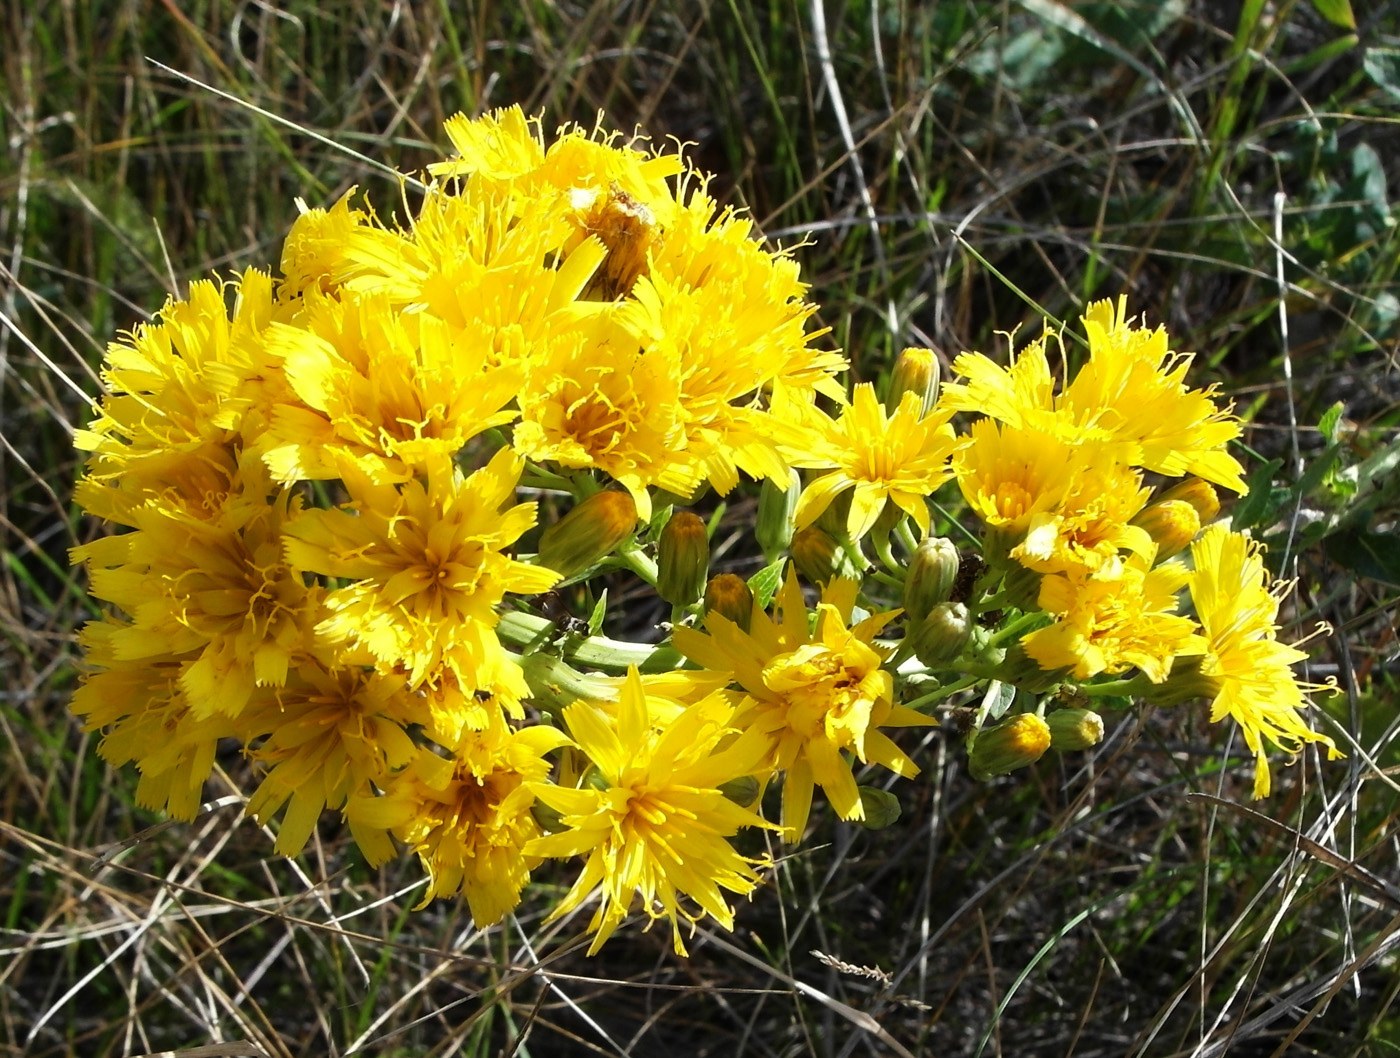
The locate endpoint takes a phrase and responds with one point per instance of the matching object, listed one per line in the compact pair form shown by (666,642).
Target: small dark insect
(482,695)
(970,567)
(960,720)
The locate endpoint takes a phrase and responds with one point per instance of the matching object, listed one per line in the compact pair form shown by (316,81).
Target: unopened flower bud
(1072,729)
(588,532)
(1015,743)
(776,506)
(942,635)
(881,808)
(915,371)
(1199,494)
(551,820)
(728,596)
(933,571)
(837,516)
(814,551)
(683,559)
(1172,524)
(743,791)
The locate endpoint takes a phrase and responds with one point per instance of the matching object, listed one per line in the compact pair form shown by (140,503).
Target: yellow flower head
(149,721)
(814,691)
(1010,474)
(652,820)
(1131,394)
(388,391)
(215,590)
(313,256)
(175,389)
(330,734)
(1090,528)
(427,568)
(1112,625)
(468,817)
(900,459)
(597,400)
(1250,670)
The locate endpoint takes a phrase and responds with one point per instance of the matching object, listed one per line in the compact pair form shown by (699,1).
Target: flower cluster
(327,559)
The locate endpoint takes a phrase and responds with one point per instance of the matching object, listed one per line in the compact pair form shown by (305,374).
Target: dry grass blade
(233,1049)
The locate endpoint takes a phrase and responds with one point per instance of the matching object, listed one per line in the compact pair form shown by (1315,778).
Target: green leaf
(1367,554)
(764,583)
(995,702)
(1331,418)
(660,515)
(1317,470)
(1382,65)
(1254,508)
(1337,12)
(600,610)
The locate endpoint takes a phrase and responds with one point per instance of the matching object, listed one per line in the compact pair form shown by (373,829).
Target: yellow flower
(653,822)
(1249,671)
(1091,526)
(510,283)
(815,692)
(1131,393)
(428,570)
(1009,475)
(467,816)
(313,255)
(214,590)
(1112,625)
(597,400)
(901,459)
(330,734)
(386,390)
(148,720)
(176,391)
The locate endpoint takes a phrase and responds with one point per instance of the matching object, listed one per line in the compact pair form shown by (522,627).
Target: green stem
(640,563)
(906,536)
(882,549)
(934,697)
(1026,622)
(1128,688)
(538,478)
(531,632)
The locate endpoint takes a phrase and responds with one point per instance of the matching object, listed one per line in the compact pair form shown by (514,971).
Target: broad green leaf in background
(1337,12)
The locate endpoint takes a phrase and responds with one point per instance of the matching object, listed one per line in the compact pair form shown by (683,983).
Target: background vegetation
(955,168)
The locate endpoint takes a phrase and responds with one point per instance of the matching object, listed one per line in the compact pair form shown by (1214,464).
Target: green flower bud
(588,532)
(683,559)
(1014,743)
(942,635)
(728,596)
(551,821)
(915,371)
(1072,729)
(837,515)
(933,571)
(880,806)
(819,556)
(1022,587)
(743,791)
(776,506)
